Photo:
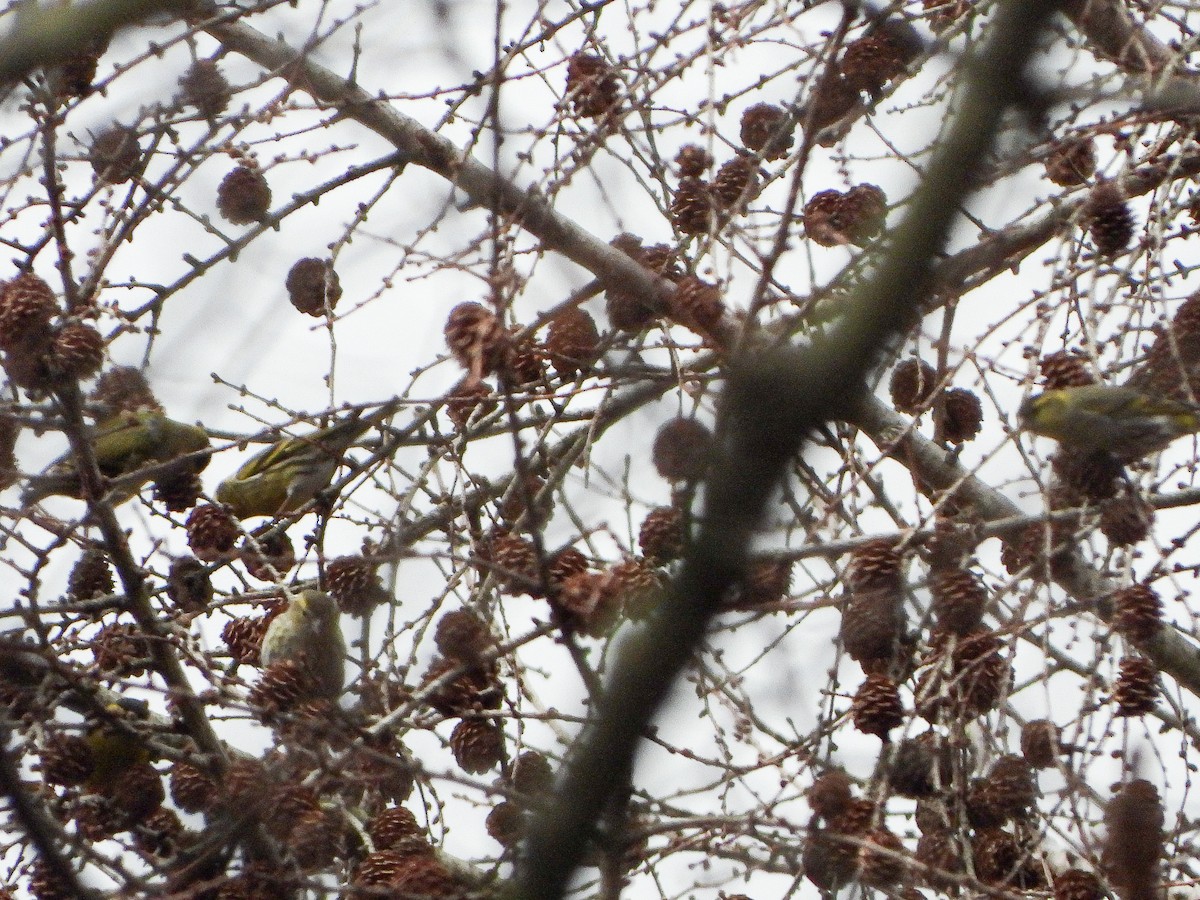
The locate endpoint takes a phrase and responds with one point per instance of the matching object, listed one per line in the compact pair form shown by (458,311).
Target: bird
(308,632)
(293,470)
(1100,418)
(126,442)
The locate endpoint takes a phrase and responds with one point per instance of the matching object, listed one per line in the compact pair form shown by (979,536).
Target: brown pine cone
(478,745)
(121,648)
(475,689)
(880,859)
(832,98)
(1173,360)
(1078,884)
(1071,161)
(962,415)
(525,364)
(513,562)
(1137,613)
(1108,218)
(461,635)
(192,789)
(860,214)
(920,766)
(912,385)
(243,196)
(1011,787)
(661,536)
(767,130)
(593,90)
(567,562)
(696,305)
(189,585)
(662,259)
(313,286)
(1136,690)
(692,206)
(136,793)
(823,219)
(91,576)
(204,87)
(212,532)
(378,870)
(681,449)
(939,851)
(589,601)
(77,351)
(1065,369)
(267,554)
(470,400)
(1041,743)
(1133,846)
(830,794)
(392,826)
(123,389)
(735,183)
(1084,477)
(243,636)
(284,685)
(963,676)
(767,581)
(425,876)
(292,803)
(1126,520)
(178,489)
(639,586)
(66,759)
(997,855)
(116,155)
(872,628)
(531,774)
(874,565)
(830,862)
(27,304)
(692,160)
(477,338)
(506,823)
(865,209)
(316,840)
(959,600)
(159,834)
(870,62)
(522,491)
(628,311)
(877,708)
(352,581)
(572,342)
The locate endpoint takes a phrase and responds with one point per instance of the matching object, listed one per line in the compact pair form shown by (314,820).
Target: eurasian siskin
(114,752)
(308,631)
(1117,420)
(124,443)
(293,470)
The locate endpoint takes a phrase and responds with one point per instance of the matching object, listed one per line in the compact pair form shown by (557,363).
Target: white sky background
(236,322)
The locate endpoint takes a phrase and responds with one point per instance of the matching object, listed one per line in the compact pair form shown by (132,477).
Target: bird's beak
(1026,410)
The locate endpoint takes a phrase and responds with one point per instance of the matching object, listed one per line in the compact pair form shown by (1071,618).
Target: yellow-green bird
(308,631)
(293,470)
(1117,420)
(124,443)
(114,752)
